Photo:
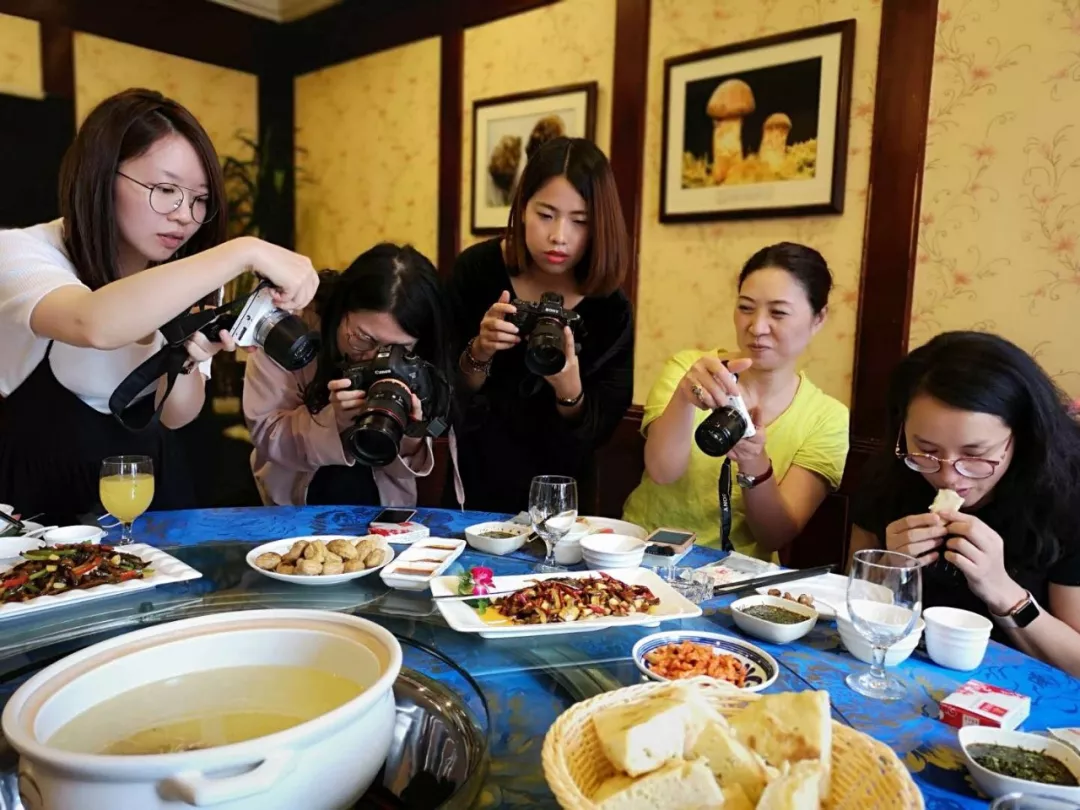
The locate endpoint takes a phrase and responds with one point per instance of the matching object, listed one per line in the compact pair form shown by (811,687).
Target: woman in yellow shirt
(796,456)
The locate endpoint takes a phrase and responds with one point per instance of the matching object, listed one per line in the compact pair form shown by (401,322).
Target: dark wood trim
(628,102)
(835,203)
(901,108)
(197,29)
(58,61)
(277,130)
(591,91)
(451,78)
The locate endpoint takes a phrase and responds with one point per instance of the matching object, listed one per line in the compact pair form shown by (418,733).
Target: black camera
(252,321)
(389,378)
(543,323)
(724,428)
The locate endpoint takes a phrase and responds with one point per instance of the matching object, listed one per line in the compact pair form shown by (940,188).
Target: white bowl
(281,546)
(339,752)
(73,534)
(861,649)
(770,631)
(604,551)
(475,537)
(762,669)
(957,622)
(568,552)
(995,784)
(952,653)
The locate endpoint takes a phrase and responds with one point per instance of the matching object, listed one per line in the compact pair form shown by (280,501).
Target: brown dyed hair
(122,127)
(603,266)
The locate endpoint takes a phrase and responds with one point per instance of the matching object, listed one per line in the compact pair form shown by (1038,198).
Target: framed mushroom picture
(507,129)
(758,129)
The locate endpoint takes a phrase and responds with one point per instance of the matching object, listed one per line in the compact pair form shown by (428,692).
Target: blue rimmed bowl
(762,669)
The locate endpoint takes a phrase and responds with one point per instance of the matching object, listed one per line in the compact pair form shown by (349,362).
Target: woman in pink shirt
(388,297)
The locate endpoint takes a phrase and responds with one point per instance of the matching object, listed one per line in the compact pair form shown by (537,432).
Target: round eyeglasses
(967,466)
(168,197)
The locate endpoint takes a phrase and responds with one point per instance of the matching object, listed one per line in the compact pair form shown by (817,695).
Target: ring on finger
(698,392)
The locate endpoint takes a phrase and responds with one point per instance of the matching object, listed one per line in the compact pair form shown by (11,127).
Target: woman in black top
(565,235)
(975,414)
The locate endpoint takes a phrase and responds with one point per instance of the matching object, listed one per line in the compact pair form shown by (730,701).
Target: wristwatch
(1022,613)
(751,481)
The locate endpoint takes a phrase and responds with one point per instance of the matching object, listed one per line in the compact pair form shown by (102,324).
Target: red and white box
(980,704)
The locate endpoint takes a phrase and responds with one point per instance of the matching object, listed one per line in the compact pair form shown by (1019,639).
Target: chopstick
(771,579)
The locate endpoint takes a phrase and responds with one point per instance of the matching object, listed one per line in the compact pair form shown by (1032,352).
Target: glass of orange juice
(126,488)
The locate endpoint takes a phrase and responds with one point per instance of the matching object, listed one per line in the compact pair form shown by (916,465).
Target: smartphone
(393,517)
(669,542)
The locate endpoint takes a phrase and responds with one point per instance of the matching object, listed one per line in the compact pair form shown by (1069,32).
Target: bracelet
(570,403)
(471,363)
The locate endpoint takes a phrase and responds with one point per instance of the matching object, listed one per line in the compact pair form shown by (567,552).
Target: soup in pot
(204,710)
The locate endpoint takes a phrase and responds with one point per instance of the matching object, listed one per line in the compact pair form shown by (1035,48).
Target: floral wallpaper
(999,239)
(687,292)
(225,101)
(20,57)
(368,154)
(563,43)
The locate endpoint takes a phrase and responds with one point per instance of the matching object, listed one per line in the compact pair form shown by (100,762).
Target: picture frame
(758,129)
(506,129)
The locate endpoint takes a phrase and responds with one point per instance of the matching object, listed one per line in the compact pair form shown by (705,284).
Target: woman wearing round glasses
(140,240)
(975,414)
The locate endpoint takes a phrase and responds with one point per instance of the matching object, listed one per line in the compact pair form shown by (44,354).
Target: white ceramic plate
(167,569)
(463,618)
(829,592)
(419,553)
(761,668)
(282,546)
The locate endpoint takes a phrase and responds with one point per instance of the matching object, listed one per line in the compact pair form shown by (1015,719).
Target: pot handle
(193,788)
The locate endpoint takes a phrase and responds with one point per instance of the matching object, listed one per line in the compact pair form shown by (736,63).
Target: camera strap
(724,487)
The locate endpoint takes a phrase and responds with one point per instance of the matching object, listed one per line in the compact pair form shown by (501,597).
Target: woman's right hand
(292,274)
(917,535)
(344,402)
(496,333)
(709,383)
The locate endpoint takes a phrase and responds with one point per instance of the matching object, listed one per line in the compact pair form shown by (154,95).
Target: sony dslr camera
(725,427)
(543,323)
(252,321)
(374,438)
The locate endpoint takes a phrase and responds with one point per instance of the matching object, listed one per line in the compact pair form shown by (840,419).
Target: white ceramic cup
(568,552)
(956,639)
(958,622)
(73,534)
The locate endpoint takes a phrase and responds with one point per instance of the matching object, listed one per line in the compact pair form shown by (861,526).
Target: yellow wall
(225,101)
(686,293)
(368,141)
(564,43)
(999,238)
(20,57)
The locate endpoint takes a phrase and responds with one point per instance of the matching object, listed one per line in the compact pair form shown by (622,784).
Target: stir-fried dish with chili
(567,599)
(56,569)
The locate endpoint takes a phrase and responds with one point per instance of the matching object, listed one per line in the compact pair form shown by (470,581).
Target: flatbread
(946,501)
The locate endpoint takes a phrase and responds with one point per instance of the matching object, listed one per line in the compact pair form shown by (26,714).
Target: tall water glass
(126,488)
(553,509)
(884,600)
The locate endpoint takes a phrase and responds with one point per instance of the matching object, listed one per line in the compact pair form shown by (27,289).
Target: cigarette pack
(980,704)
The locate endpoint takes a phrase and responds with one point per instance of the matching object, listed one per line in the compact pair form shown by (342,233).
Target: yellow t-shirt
(812,433)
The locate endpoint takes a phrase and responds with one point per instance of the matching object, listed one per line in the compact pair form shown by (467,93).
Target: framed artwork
(507,129)
(758,129)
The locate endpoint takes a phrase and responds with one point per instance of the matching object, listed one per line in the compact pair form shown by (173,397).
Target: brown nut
(294,553)
(342,548)
(333,568)
(354,565)
(374,557)
(268,561)
(285,568)
(309,568)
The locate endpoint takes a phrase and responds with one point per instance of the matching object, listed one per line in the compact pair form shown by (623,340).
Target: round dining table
(527,682)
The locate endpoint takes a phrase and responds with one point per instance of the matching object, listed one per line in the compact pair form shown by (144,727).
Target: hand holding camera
(710,384)
(496,331)
(347,403)
(292,275)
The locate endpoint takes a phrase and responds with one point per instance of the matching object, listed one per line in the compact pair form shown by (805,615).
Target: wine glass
(1027,801)
(553,506)
(884,600)
(126,488)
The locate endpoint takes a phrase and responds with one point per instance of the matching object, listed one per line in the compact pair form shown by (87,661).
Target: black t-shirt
(943,584)
(511,429)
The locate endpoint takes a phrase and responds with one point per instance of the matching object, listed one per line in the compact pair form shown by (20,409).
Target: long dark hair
(388,278)
(802,263)
(122,127)
(604,265)
(1034,506)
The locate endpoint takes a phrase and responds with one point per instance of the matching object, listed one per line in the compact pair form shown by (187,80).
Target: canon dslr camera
(724,428)
(543,323)
(389,378)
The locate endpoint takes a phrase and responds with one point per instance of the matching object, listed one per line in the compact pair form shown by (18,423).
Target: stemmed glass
(884,600)
(126,488)
(553,509)
(1027,801)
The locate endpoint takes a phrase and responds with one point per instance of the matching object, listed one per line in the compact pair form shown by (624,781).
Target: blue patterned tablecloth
(529,682)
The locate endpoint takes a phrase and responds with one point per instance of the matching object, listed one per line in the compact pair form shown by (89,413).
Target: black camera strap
(724,487)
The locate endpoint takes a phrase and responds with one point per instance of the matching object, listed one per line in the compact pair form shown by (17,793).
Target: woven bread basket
(865,773)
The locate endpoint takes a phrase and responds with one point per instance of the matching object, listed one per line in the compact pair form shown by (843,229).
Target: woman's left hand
(567,383)
(979,552)
(750,453)
(200,348)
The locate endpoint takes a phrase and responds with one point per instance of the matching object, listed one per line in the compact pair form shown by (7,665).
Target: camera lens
(720,431)
(375,437)
(287,340)
(544,355)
